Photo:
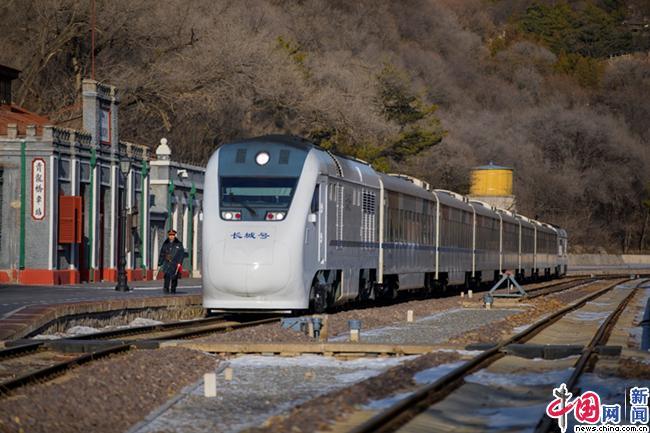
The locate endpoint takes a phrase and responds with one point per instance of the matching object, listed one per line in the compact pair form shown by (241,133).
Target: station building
(60,192)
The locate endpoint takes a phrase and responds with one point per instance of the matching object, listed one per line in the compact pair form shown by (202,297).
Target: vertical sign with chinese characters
(105,125)
(38,188)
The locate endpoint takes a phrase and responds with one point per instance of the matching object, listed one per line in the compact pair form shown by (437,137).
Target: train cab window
(256,192)
(314,200)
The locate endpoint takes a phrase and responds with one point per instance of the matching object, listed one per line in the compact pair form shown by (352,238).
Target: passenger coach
(289,226)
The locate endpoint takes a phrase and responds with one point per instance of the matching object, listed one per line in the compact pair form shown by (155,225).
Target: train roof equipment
(413,180)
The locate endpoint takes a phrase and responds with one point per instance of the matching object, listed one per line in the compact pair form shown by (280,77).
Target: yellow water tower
(493,184)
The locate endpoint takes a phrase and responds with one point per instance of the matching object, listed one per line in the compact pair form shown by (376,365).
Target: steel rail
(21,350)
(601,337)
(120,346)
(220,326)
(36,345)
(554,288)
(557,287)
(59,368)
(406,409)
(116,333)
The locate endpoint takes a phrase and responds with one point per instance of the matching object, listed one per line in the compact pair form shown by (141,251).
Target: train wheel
(388,290)
(366,285)
(319,298)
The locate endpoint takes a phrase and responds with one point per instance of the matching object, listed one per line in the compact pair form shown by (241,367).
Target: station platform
(26,308)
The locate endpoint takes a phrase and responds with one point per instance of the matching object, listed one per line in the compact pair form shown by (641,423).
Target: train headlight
(275,216)
(231,215)
(262,158)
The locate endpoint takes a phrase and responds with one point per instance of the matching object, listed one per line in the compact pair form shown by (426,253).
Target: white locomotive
(290,226)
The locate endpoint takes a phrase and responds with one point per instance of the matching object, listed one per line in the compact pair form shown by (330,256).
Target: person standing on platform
(171,261)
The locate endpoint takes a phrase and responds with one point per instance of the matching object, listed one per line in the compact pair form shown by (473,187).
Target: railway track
(542,289)
(473,394)
(28,361)
(31,362)
(557,286)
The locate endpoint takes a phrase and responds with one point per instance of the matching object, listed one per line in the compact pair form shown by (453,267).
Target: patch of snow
(438,315)
(591,316)
(513,418)
(141,321)
(388,329)
(80,330)
(521,328)
(636,334)
(600,304)
(86,330)
(357,376)
(462,352)
(553,377)
(385,403)
(312,361)
(242,402)
(368,333)
(47,337)
(432,374)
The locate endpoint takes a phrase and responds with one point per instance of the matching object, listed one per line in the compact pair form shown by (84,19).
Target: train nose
(249,268)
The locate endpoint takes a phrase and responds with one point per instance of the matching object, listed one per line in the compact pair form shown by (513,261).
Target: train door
(321,213)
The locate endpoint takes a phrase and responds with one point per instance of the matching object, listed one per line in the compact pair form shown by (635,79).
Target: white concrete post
(185,226)
(113,223)
(74,190)
(175,216)
(155,250)
(195,243)
(128,190)
(96,172)
(53,217)
(146,232)
(409,316)
(210,384)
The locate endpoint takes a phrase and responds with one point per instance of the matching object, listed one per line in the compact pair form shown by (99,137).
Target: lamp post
(125,167)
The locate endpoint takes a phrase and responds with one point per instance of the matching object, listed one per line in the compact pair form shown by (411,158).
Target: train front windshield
(257,192)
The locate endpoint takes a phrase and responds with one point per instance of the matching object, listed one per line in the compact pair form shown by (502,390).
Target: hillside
(557,90)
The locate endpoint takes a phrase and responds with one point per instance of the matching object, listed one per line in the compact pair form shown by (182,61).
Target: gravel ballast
(265,388)
(321,411)
(436,328)
(106,396)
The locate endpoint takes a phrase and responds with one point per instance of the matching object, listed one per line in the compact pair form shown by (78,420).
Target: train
(291,226)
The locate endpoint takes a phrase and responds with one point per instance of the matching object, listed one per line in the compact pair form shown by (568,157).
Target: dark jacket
(171,255)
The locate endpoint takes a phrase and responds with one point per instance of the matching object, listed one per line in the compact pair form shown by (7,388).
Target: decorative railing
(61,136)
(122,148)
(105,91)
(70,137)
(84,139)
